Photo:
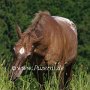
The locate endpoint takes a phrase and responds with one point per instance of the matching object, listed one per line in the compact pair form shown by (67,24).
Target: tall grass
(5,83)
(52,83)
(80,81)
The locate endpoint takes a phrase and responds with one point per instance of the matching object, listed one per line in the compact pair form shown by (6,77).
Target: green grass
(80,81)
(5,84)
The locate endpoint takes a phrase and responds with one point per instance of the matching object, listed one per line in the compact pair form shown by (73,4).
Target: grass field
(80,81)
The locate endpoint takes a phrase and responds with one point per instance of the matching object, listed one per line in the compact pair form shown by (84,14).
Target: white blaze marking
(22,50)
(72,25)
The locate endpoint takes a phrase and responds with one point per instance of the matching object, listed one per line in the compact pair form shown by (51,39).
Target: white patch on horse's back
(72,25)
(22,50)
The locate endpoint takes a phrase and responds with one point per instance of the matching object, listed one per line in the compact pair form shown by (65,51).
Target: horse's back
(67,22)
(70,34)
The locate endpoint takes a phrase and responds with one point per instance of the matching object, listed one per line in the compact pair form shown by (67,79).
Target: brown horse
(52,39)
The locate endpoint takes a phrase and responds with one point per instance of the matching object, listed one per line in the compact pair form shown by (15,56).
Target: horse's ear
(18,30)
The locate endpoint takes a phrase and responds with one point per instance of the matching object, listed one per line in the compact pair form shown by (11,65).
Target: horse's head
(23,48)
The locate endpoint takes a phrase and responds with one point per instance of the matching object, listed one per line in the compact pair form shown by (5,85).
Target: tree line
(21,12)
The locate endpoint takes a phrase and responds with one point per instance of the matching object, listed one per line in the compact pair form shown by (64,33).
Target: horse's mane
(39,15)
(36,19)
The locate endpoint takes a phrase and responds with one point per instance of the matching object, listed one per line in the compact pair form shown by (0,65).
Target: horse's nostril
(13,79)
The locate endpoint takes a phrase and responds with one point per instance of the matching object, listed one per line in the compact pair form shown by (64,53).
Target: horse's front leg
(39,76)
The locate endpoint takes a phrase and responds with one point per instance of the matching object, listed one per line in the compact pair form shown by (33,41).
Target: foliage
(80,79)
(5,84)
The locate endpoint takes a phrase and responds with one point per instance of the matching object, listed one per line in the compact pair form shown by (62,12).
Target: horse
(53,40)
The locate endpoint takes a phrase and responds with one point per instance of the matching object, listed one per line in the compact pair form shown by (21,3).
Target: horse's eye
(14,48)
(32,46)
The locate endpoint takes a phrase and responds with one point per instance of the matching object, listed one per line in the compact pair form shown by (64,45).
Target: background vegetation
(21,12)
